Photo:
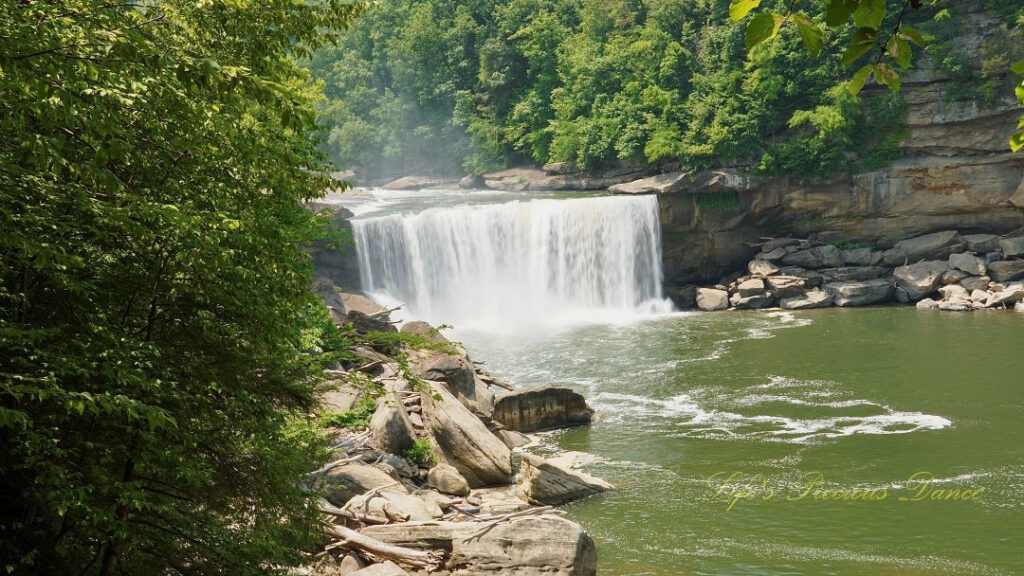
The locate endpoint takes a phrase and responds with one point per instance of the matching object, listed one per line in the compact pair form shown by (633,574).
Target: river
(875,441)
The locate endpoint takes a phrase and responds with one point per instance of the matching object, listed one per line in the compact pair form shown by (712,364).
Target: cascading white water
(521,262)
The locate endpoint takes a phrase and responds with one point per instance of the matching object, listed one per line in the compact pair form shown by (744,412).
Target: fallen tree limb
(327,467)
(348,538)
(385,312)
(331,510)
(492,381)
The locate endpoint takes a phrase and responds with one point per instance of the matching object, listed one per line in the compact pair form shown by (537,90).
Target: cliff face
(956,173)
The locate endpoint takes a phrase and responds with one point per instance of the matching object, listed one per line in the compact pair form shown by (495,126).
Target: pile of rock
(468,512)
(943,270)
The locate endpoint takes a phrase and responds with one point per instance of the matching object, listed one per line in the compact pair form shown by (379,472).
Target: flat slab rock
(541,407)
(544,544)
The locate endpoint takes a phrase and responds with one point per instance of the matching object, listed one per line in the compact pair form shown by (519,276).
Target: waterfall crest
(519,262)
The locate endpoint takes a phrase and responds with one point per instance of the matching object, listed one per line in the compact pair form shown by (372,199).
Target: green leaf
(811,35)
(1017,141)
(858,80)
(888,77)
(839,12)
(762,27)
(900,51)
(862,41)
(913,35)
(738,9)
(1018,67)
(869,14)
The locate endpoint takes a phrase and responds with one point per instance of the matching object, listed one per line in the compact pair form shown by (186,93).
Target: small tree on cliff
(153,294)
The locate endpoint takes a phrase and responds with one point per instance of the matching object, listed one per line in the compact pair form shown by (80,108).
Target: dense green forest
(452,87)
(159,344)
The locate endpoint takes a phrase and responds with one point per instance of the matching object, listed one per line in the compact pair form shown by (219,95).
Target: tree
(155,310)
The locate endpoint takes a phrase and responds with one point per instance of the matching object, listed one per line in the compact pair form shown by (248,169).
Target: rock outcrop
(463,441)
(541,408)
(963,280)
(546,483)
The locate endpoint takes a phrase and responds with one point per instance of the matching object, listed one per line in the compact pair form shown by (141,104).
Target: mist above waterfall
(537,261)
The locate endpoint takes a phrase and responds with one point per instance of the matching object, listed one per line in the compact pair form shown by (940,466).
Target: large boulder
(982,243)
(362,304)
(547,484)
(860,293)
(786,286)
(752,302)
(968,263)
(937,245)
(1010,295)
(541,407)
(817,257)
(455,370)
(1006,270)
(390,427)
(395,506)
(813,298)
(921,279)
(857,257)
(1012,246)
(712,299)
(543,544)
(363,323)
(446,479)
(463,440)
(761,268)
(344,482)
(972,283)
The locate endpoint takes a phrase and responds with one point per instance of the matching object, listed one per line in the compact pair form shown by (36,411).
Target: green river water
(866,398)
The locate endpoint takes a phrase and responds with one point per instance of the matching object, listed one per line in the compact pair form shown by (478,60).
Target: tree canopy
(437,85)
(155,311)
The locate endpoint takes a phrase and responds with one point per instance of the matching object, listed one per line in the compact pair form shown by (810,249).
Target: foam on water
(712,412)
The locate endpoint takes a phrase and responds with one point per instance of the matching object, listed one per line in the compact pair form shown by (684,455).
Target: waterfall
(520,262)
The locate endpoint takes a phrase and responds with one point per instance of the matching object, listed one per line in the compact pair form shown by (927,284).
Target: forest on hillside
(445,87)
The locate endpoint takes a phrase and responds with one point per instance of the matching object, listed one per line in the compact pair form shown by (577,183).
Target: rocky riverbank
(943,270)
(432,472)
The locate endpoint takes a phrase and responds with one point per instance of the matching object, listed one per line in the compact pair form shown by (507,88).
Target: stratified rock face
(711,299)
(921,279)
(541,408)
(528,546)
(547,484)
(464,441)
(957,172)
(860,293)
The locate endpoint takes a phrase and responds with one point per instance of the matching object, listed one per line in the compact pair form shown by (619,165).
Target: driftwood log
(352,540)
